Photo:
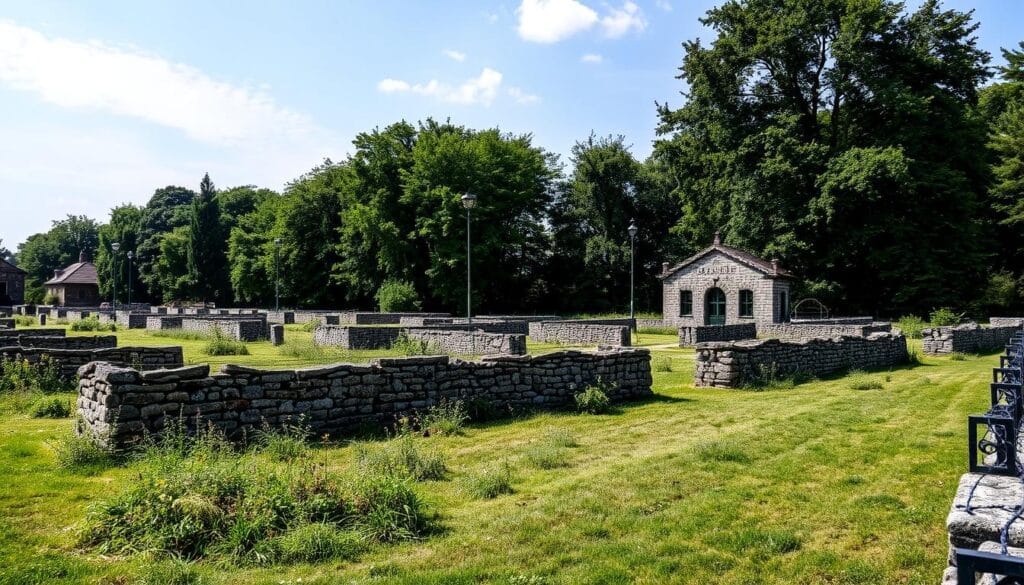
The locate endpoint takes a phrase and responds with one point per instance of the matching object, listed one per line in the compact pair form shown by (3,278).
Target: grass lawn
(819,483)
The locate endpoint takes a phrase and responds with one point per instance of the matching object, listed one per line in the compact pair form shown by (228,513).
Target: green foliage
(164,277)
(944,317)
(959,356)
(489,482)
(92,323)
(124,228)
(316,542)
(721,451)
(171,571)
(387,508)
(51,299)
(42,253)
(661,364)
(594,399)
(447,417)
(42,377)
(401,456)
(552,450)
(657,330)
(311,325)
(911,326)
(285,443)
(79,452)
(207,263)
(396,296)
(219,344)
(25,321)
(51,407)
(408,346)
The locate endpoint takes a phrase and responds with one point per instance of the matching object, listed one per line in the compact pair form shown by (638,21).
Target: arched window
(746,303)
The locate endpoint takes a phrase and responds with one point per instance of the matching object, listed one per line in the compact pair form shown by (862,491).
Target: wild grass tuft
(81,453)
(51,407)
(316,542)
(721,451)
(288,443)
(661,364)
(489,482)
(220,344)
(448,417)
(92,323)
(401,456)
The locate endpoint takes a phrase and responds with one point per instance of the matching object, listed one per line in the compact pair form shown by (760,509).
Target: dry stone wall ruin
(966,338)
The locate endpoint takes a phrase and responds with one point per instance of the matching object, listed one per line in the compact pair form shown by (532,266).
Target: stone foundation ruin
(966,338)
(119,406)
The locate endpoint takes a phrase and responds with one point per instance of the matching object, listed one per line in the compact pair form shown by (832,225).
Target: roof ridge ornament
(718,238)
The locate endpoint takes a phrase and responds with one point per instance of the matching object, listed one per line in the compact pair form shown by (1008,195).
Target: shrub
(23,376)
(489,482)
(316,542)
(25,321)
(92,323)
(395,296)
(219,344)
(446,418)
(405,345)
(594,400)
(911,326)
(51,407)
(662,363)
(401,456)
(51,299)
(944,317)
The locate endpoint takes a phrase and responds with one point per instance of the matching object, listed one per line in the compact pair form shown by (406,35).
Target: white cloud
(392,85)
(92,75)
(454,55)
(475,90)
(550,21)
(664,5)
(591,58)
(522,97)
(622,20)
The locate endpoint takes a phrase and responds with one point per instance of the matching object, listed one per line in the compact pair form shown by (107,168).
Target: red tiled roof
(741,256)
(77,273)
(7,267)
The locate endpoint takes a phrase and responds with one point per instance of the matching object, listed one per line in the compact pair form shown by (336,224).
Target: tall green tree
(829,130)
(169,208)
(123,228)
(207,262)
(43,253)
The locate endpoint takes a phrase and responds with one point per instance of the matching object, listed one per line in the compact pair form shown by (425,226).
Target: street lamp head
(130,254)
(116,247)
(632,229)
(469,201)
(277,241)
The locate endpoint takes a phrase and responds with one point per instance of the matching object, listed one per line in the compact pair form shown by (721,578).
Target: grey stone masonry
(42,318)
(690,336)
(357,318)
(734,364)
(239,328)
(583,332)
(467,342)
(277,334)
(347,337)
(650,323)
(160,322)
(69,360)
(283,317)
(966,338)
(506,327)
(1005,321)
(56,342)
(6,335)
(119,406)
(6,323)
(824,328)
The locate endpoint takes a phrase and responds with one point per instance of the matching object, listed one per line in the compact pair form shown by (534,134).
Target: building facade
(75,286)
(722,285)
(12,284)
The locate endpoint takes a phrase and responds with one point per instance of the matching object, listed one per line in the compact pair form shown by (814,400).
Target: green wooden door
(716,307)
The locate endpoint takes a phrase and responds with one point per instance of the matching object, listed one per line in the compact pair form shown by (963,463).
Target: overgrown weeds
(446,418)
(220,344)
(594,399)
(401,456)
(92,323)
(408,346)
(25,377)
(661,363)
(489,482)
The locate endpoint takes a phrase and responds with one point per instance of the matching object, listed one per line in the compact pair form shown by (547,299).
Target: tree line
(872,149)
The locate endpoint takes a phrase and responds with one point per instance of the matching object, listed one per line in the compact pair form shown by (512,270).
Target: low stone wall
(69,360)
(527,318)
(690,336)
(282,317)
(1005,321)
(119,406)
(238,328)
(6,335)
(583,332)
(348,337)
(131,319)
(650,323)
(966,338)
(859,320)
(161,322)
(468,342)
(358,318)
(734,364)
(6,323)
(822,328)
(58,342)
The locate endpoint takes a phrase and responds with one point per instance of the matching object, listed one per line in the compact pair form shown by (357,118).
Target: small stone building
(12,284)
(75,286)
(722,285)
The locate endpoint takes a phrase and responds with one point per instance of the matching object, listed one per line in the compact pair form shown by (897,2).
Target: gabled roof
(7,267)
(768,268)
(77,273)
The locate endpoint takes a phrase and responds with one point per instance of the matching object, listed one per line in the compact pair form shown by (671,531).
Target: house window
(746,303)
(685,303)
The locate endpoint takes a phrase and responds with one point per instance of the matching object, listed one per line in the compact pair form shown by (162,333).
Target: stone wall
(6,335)
(348,337)
(282,317)
(822,328)
(6,323)
(357,318)
(69,360)
(467,342)
(734,364)
(58,342)
(239,328)
(1005,321)
(650,323)
(120,406)
(160,322)
(582,332)
(690,336)
(966,338)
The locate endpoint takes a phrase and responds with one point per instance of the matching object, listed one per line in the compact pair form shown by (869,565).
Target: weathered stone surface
(583,332)
(966,338)
(277,334)
(692,335)
(70,360)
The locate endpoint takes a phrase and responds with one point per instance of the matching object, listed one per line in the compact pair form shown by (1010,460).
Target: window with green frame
(685,303)
(746,303)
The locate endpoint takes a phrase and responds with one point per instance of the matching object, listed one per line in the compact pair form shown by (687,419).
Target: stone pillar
(42,318)
(277,334)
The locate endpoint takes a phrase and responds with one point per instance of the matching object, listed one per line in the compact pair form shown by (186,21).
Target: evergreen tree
(207,263)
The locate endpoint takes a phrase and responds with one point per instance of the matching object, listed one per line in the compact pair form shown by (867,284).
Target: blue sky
(102,102)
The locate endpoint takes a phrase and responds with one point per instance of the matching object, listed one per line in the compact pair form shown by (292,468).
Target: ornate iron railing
(992,449)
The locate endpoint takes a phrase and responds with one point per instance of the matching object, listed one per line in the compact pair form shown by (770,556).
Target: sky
(103,102)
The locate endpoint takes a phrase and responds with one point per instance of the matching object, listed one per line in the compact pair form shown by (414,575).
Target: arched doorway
(714,307)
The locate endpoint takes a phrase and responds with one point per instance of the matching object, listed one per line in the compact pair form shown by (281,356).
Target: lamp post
(277,274)
(130,255)
(116,247)
(632,230)
(469,202)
